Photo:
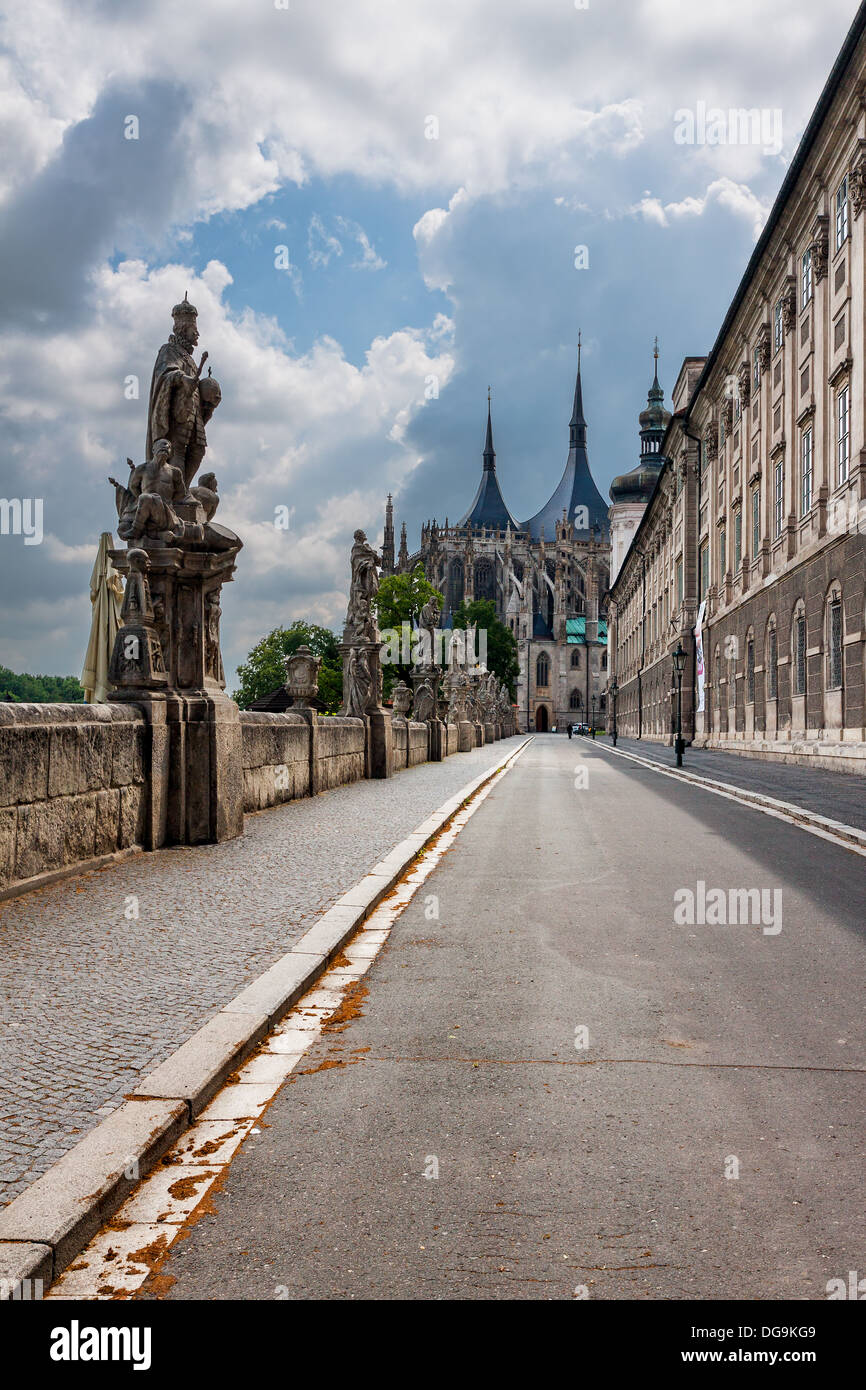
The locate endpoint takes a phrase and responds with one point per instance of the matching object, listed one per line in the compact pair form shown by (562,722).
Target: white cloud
(736,198)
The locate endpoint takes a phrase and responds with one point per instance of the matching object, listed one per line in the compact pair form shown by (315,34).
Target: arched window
(771,662)
(575,657)
(604,659)
(542,669)
(833,634)
(485,579)
(574,701)
(798,648)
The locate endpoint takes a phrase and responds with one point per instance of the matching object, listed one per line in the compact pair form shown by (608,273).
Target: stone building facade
(756,524)
(546,577)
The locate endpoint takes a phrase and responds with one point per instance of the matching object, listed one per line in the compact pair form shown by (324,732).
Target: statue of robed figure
(181,400)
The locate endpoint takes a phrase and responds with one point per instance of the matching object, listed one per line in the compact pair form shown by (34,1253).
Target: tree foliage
(40,690)
(264,671)
(501,643)
(400,600)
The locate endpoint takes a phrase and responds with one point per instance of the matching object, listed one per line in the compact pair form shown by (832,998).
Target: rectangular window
(842,213)
(723,560)
(843,439)
(806,278)
(756,369)
(834,673)
(679,583)
(800,655)
(705,568)
(750,671)
(738,539)
(778,497)
(806,472)
(772,665)
(756,521)
(778,331)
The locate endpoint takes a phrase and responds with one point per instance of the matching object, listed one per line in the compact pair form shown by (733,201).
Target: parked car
(582,729)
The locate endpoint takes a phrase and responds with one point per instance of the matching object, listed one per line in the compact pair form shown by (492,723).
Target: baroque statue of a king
(181,400)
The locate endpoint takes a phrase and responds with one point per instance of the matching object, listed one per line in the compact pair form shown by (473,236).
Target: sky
(376,207)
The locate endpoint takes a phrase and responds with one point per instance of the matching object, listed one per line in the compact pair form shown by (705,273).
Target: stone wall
(82,783)
(341,751)
(276,757)
(418,743)
(73,787)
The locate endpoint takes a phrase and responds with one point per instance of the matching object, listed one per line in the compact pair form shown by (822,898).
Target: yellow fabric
(106,592)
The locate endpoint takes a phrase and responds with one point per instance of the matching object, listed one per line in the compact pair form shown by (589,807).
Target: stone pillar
(167,659)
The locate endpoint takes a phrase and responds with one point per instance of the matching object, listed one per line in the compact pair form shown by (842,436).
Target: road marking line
(137,1241)
(847,836)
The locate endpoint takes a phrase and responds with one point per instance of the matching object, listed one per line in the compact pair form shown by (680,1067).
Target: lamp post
(593,717)
(679,667)
(614,691)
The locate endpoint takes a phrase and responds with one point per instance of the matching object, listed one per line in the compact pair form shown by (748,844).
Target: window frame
(807,285)
(807,466)
(843,433)
(842,220)
(778,496)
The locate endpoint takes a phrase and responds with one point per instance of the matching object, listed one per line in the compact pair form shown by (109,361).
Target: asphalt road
(712,1050)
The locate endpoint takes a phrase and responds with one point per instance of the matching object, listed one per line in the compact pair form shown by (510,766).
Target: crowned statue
(181,400)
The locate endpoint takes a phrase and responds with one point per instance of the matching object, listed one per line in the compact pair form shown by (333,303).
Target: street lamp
(593,716)
(613,691)
(679,667)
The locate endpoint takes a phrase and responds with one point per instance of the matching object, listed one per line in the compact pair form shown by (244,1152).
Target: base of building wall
(832,757)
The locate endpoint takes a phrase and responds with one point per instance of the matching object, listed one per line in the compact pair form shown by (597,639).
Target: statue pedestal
(437,740)
(167,660)
(380,744)
(465,736)
(479,735)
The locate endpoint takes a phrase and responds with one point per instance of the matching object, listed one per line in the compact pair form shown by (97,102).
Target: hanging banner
(699,656)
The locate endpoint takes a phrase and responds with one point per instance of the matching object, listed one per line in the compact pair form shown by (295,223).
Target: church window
(574,700)
(542,669)
(575,657)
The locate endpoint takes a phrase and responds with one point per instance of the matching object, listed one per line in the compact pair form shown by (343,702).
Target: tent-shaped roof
(576,489)
(488,505)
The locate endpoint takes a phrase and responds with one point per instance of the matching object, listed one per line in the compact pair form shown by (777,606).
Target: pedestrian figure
(570,730)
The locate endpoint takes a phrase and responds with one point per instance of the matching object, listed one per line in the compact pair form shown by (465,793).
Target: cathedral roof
(488,505)
(576,487)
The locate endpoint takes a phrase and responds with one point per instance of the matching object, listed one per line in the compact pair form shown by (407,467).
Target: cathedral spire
(388,542)
(489,454)
(577,423)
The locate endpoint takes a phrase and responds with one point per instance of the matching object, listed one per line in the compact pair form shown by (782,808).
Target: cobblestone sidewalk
(105,974)
(839,795)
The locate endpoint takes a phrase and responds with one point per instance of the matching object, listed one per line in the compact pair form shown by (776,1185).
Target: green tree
(400,600)
(263,670)
(40,690)
(501,643)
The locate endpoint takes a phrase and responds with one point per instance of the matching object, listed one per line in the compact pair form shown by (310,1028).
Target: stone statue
(180,402)
(357,682)
(206,492)
(363,588)
(144,504)
(425,702)
(213,656)
(428,621)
